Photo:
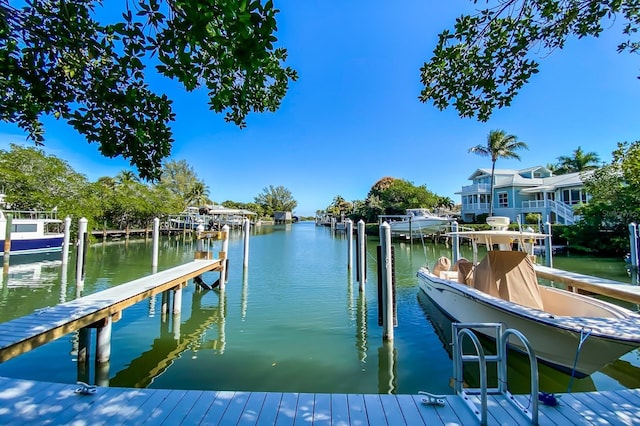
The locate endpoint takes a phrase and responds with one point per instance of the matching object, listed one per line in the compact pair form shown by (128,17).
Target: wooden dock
(33,402)
(610,288)
(28,332)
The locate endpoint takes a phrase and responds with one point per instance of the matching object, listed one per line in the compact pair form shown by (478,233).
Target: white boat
(419,220)
(569,331)
(31,231)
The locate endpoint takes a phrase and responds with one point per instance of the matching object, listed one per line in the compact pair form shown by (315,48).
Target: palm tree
(580,161)
(499,145)
(198,194)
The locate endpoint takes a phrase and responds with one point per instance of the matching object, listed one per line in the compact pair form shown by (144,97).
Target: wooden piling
(65,242)
(548,247)
(455,243)
(103,341)
(7,240)
(246,228)
(633,244)
(225,250)
(387,282)
(349,244)
(362,278)
(156,239)
(82,231)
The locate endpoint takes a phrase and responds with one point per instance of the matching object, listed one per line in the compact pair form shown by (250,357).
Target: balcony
(478,188)
(475,207)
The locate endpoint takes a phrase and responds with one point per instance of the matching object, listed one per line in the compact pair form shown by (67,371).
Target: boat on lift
(419,220)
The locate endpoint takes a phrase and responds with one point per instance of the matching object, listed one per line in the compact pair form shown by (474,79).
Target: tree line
(33,180)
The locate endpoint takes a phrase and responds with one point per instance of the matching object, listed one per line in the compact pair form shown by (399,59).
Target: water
(294,321)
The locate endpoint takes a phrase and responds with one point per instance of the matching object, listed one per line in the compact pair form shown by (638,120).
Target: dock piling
(633,244)
(223,256)
(65,242)
(7,240)
(246,228)
(82,232)
(361,255)
(387,282)
(548,248)
(156,232)
(103,341)
(349,244)
(455,242)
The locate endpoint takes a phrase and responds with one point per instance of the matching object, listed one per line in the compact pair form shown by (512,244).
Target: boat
(31,231)
(419,220)
(571,332)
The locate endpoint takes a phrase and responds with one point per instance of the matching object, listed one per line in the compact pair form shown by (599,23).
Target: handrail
(459,331)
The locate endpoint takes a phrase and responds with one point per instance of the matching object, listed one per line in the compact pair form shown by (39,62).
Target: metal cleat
(86,389)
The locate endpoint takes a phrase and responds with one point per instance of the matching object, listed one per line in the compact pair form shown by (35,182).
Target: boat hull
(555,339)
(34,245)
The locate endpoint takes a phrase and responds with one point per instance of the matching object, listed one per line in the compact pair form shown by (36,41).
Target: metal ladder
(459,331)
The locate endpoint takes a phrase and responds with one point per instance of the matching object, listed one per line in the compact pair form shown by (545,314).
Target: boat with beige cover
(572,332)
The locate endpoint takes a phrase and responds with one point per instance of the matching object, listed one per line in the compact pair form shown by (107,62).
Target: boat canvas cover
(510,276)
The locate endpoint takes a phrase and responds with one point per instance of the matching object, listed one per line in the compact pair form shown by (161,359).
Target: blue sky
(354,117)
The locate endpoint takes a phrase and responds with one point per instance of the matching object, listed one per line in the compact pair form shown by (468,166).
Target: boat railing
(460,331)
(32,214)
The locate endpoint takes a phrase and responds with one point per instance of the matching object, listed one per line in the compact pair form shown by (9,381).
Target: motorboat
(31,231)
(569,331)
(419,220)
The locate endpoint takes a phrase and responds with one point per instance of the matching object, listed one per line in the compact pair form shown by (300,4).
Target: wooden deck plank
(627,411)
(156,398)
(463,413)
(304,410)
(582,409)
(357,410)
(322,410)
(270,408)
(200,408)
(253,408)
(339,409)
(410,411)
(612,411)
(217,408)
(181,410)
(287,409)
(160,412)
(555,415)
(234,411)
(87,406)
(391,409)
(375,412)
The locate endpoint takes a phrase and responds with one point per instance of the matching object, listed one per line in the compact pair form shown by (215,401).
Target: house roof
(513,178)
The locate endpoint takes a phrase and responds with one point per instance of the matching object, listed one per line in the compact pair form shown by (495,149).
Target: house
(518,192)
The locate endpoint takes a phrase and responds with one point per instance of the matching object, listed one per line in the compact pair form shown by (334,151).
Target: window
(29,227)
(503,199)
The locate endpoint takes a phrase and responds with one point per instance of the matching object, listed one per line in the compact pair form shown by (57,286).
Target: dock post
(246,228)
(361,255)
(82,231)
(349,244)
(455,246)
(156,232)
(225,250)
(633,243)
(103,341)
(387,282)
(84,344)
(548,248)
(7,240)
(177,299)
(65,242)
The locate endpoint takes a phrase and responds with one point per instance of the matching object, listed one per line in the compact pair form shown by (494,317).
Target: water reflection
(173,341)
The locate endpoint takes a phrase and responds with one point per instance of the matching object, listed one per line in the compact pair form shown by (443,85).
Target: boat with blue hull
(31,231)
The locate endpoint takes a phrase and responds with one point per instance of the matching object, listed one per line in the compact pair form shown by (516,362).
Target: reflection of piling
(361,327)
(387,368)
(361,255)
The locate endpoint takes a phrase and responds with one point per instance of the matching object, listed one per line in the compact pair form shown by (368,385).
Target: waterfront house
(518,192)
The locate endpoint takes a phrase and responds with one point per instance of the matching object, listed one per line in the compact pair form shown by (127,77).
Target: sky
(354,117)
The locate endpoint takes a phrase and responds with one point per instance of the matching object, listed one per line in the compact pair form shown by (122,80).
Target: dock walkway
(615,289)
(32,402)
(47,324)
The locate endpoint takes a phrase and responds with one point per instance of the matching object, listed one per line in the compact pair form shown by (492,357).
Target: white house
(518,192)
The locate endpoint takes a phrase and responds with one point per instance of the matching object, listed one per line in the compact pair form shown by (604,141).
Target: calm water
(294,321)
